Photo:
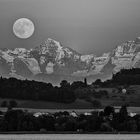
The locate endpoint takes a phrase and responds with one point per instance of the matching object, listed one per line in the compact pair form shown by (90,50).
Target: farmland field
(71,137)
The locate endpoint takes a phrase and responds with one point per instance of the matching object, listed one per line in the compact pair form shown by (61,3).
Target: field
(78,104)
(71,137)
(115,98)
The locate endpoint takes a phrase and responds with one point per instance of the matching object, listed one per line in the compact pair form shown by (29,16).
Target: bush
(108,110)
(4,104)
(101,94)
(13,103)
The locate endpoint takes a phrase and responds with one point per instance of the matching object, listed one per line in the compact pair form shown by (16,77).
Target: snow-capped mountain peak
(52,58)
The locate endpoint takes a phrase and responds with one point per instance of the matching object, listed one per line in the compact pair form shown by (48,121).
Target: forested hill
(66,93)
(127,76)
(33,90)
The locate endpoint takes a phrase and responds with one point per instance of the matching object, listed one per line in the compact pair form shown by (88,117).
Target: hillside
(79,94)
(116,98)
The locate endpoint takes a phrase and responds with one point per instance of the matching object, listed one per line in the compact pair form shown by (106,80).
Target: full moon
(23,28)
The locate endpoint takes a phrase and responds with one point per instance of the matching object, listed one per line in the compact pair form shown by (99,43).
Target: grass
(78,104)
(69,137)
(115,99)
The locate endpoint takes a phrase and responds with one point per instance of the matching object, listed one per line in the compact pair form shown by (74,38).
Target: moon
(23,28)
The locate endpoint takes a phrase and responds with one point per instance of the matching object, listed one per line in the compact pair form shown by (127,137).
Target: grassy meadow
(71,137)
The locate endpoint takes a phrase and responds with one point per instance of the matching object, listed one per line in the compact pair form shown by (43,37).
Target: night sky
(87,26)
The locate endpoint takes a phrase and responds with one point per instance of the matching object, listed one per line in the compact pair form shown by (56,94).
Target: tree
(77,84)
(123,113)
(98,82)
(13,117)
(85,81)
(64,84)
(13,103)
(4,104)
(109,110)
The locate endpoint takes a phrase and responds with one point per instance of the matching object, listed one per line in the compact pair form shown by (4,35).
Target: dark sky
(88,26)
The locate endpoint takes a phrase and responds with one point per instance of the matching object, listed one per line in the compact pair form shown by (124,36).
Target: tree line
(97,121)
(34,90)
(67,92)
(123,77)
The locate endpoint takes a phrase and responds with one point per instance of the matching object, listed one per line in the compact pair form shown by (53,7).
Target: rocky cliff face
(126,55)
(51,60)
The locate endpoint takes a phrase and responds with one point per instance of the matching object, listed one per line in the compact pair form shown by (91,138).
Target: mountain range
(53,62)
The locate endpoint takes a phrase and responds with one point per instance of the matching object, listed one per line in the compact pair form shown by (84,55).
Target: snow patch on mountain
(79,73)
(66,61)
(99,63)
(55,42)
(42,60)
(136,61)
(7,57)
(102,59)
(87,58)
(19,51)
(60,53)
(123,56)
(76,57)
(49,68)
(32,64)
(68,52)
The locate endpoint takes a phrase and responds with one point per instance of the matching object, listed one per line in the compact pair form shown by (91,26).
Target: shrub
(108,110)
(13,103)
(4,104)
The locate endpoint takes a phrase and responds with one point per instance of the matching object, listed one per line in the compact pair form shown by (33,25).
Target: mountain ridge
(52,58)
